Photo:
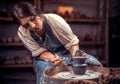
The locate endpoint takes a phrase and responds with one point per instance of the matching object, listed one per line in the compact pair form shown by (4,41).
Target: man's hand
(57,61)
(80,53)
(84,54)
(53,58)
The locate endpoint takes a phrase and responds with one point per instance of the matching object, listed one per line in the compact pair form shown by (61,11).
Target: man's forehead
(24,20)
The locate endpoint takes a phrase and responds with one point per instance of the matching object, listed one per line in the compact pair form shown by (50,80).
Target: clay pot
(79,69)
(79,66)
(79,60)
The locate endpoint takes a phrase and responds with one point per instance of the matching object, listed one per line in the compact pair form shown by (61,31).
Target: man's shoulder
(23,31)
(52,15)
(20,28)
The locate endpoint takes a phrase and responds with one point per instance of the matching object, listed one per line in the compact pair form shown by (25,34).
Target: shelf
(20,76)
(68,20)
(81,43)
(17,66)
(6,18)
(91,43)
(11,44)
(85,20)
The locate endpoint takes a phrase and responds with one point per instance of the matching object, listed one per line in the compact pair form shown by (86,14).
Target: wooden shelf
(11,44)
(6,18)
(81,43)
(85,20)
(17,66)
(92,43)
(68,20)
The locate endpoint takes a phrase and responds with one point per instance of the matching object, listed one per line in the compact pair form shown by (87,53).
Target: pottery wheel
(70,75)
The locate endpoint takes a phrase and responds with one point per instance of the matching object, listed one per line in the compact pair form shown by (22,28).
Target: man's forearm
(53,58)
(73,49)
(46,55)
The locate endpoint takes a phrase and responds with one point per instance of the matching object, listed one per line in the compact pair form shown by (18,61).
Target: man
(48,37)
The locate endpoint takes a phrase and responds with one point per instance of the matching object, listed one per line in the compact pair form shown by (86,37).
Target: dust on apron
(54,46)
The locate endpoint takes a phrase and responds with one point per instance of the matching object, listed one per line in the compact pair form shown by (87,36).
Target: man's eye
(26,25)
(32,19)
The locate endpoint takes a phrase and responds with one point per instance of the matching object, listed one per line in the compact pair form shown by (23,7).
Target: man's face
(34,23)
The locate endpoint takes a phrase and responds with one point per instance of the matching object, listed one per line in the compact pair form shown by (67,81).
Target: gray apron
(53,45)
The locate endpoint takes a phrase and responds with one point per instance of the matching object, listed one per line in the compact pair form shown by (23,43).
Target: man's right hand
(53,58)
(56,61)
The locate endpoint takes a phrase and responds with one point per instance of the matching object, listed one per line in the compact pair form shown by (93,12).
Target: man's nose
(32,24)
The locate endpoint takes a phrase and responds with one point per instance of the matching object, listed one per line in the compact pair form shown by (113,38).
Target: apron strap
(35,37)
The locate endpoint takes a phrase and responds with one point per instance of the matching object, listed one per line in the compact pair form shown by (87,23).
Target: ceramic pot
(78,60)
(79,69)
(79,65)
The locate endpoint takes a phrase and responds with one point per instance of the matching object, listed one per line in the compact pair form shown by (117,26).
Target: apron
(53,45)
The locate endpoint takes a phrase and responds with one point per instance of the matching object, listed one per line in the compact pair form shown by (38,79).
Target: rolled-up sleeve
(29,42)
(62,30)
(73,41)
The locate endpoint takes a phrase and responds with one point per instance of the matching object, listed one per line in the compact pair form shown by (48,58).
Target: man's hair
(24,9)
